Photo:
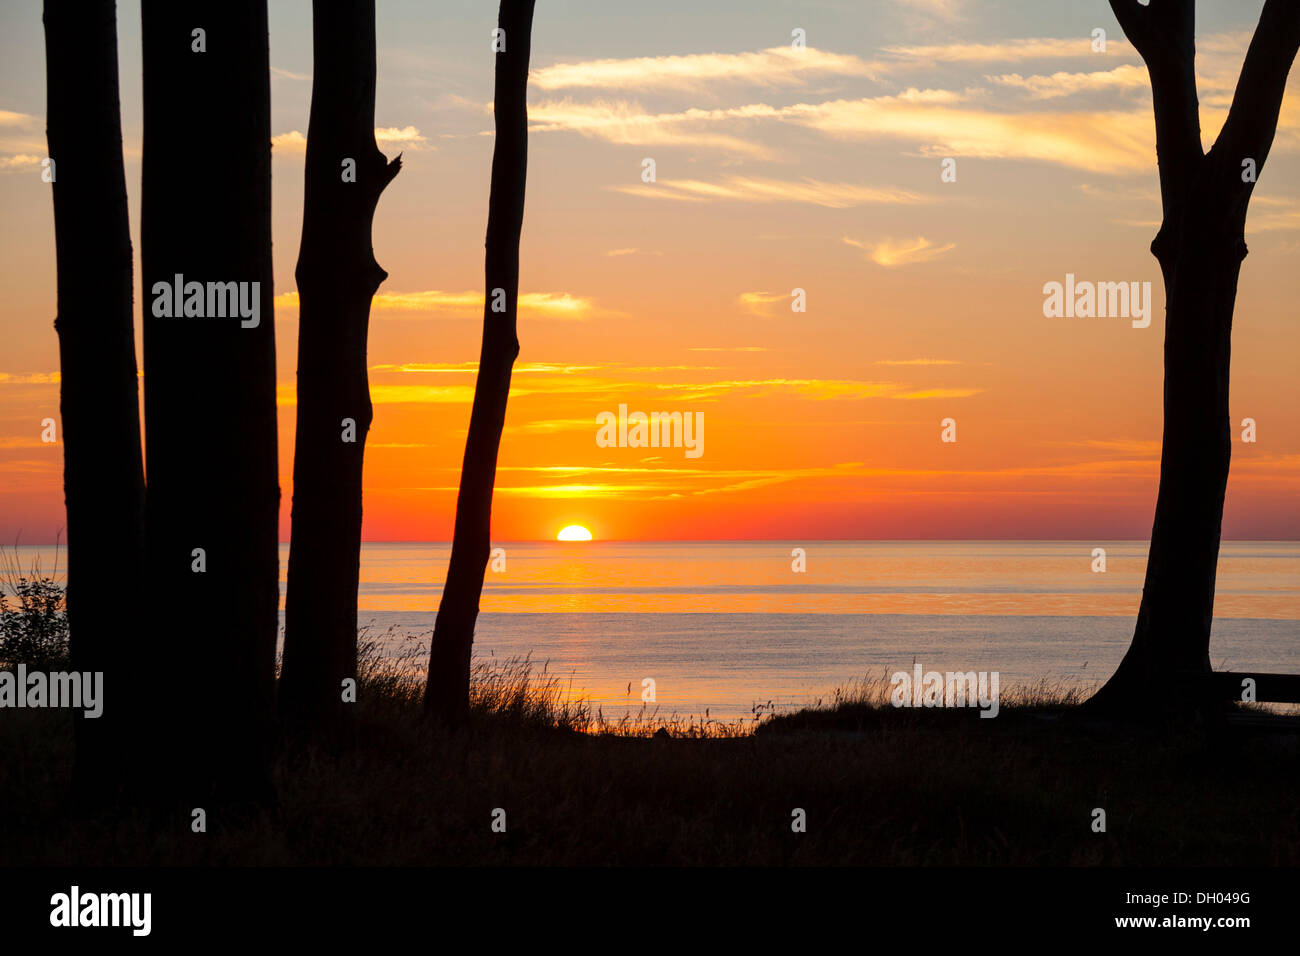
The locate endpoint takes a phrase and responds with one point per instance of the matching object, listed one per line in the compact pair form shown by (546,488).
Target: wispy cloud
(1125,77)
(928,12)
(20,120)
(762,303)
(1024,48)
(21,161)
(550,426)
(604,387)
(525,368)
(935,122)
(818,388)
(917,361)
(759,190)
(1101,141)
(1272,213)
(29,378)
(778,66)
(900,252)
(558,305)
(629,124)
(407,138)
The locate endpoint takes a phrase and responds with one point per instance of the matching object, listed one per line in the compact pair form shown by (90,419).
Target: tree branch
(1252,119)
(1164,33)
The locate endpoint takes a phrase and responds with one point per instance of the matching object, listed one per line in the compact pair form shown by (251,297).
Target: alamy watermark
(78,690)
(75,908)
(950,689)
(212,300)
(656,430)
(1102,300)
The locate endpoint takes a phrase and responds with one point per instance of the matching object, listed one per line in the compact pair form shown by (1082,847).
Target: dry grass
(879,785)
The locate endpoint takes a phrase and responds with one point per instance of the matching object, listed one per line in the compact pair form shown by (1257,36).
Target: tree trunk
(1168,663)
(1200,247)
(337,278)
(103,475)
(447,692)
(210,396)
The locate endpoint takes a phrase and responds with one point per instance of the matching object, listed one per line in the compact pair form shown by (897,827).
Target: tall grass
(33,614)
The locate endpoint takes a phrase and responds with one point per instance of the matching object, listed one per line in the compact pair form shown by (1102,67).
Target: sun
(574,532)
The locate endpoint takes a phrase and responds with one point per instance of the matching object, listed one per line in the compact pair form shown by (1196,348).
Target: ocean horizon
(725,627)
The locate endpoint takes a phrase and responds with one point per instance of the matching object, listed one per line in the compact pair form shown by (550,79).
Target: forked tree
(210,397)
(446,695)
(103,474)
(1200,246)
(337,278)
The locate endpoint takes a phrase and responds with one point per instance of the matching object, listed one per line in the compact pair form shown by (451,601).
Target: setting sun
(574,532)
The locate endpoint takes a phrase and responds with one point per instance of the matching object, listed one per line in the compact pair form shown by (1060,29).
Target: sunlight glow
(574,532)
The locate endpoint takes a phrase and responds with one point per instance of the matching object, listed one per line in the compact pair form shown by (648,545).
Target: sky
(775,169)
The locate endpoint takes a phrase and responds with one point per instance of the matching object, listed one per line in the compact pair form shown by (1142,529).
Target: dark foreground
(878,786)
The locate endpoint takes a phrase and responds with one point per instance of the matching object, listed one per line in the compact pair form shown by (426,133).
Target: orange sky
(776,169)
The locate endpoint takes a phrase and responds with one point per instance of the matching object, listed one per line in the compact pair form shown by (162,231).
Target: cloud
(288,75)
(628,124)
(778,66)
(756,189)
(900,252)
(816,388)
(1101,141)
(557,305)
(6,443)
(19,162)
(784,66)
(938,122)
(947,11)
(760,303)
(550,426)
(290,142)
(1025,48)
(604,387)
(524,368)
(917,361)
(1129,446)
(380,394)
(22,120)
(408,138)
(1269,214)
(1126,77)
(31,378)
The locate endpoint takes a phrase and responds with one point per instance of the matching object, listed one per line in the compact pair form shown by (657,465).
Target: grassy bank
(878,786)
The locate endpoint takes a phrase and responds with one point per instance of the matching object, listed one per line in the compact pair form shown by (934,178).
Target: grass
(878,785)
(33,614)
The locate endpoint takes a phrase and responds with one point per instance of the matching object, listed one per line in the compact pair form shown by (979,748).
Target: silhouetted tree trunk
(337,277)
(209,388)
(103,475)
(1200,246)
(447,692)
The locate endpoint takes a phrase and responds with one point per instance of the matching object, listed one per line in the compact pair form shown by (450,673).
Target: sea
(725,630)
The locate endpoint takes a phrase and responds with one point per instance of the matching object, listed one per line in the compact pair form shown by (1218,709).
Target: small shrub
(33,618)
